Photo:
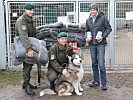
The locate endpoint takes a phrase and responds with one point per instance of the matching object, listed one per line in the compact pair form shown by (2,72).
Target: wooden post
(39,72)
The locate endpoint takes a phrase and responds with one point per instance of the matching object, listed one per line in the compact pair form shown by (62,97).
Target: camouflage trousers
(26,72)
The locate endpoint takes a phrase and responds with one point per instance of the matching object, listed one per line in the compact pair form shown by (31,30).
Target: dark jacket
(25,28)
(101,24)
(58,55)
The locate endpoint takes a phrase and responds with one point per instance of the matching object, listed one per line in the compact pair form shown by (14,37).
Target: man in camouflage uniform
(58,58)
(25,28)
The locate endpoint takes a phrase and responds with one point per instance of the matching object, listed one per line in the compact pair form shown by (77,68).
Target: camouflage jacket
(58,55)
(25,28)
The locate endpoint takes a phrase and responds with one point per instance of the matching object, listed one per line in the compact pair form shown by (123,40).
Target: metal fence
(2,38)
(124,34)
(120,42)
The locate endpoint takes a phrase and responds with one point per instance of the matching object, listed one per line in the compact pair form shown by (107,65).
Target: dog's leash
(64,65)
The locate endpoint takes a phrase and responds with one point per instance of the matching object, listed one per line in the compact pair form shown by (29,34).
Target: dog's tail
(47,91)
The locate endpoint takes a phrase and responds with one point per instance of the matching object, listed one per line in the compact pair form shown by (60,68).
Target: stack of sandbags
(48,32)
(76,33)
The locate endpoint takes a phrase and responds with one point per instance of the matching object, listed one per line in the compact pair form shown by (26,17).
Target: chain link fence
(76,11)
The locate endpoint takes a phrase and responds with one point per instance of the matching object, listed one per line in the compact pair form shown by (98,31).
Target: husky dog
(66,85)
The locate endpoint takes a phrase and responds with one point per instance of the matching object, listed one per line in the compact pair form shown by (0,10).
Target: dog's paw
(68,94)
(41,93)
(80,93)
(65,94)
(81,89)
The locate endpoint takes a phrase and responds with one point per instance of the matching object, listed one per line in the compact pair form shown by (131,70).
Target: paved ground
(120,83)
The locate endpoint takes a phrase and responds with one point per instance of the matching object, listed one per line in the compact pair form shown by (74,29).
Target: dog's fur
(69,83)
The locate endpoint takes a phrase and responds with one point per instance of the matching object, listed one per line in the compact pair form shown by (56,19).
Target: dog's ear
(69,57)
(73,56)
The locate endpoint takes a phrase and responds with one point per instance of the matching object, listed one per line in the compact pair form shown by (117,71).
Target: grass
(10,78)
(14,77)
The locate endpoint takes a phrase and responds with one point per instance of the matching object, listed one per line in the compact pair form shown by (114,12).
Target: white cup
(89,35)
(99,35)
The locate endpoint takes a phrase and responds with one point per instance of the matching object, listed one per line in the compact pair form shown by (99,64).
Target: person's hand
(100,40)
(30,53)
(88,40)
(64,72)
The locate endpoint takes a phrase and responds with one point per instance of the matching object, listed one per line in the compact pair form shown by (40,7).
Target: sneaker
(104,88)
(94,84)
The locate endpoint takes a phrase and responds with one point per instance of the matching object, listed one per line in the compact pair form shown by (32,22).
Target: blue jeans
(98,62)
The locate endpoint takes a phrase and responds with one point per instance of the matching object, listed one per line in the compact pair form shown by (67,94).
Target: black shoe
(31,86)
(104,88)
(29,91)
(94,84)
(52,86)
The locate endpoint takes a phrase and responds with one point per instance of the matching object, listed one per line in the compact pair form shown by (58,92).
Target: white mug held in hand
(89,35)
(99,35)
(88,38)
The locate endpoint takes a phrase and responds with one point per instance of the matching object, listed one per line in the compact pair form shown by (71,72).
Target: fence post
(2,38)
(111,41)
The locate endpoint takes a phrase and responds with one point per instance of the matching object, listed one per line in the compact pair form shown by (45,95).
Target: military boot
(52,85)
(28,90)
(31,86)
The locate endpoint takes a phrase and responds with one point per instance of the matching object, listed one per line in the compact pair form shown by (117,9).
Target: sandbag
(53,25)
(40,52)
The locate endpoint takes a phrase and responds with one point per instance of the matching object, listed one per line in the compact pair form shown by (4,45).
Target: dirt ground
(120,87)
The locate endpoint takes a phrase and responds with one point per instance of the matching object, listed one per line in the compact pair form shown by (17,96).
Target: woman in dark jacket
(98,28)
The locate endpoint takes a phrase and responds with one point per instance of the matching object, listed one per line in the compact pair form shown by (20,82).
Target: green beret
(29,6)
(62,34)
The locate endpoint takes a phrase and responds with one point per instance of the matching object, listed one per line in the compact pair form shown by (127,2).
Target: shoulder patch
(52,57)
(23,27)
